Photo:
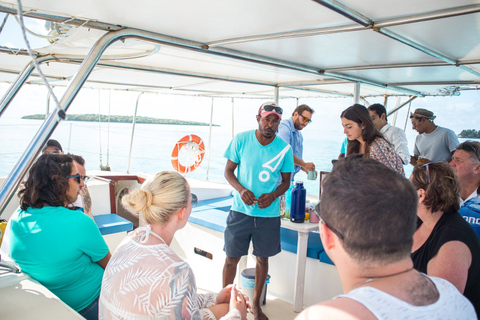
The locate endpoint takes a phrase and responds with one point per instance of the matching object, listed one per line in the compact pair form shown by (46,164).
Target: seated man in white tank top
(368,217)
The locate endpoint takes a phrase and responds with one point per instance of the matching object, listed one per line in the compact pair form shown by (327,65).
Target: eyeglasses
(305,119)
(414,124)
(269,107)
(194,200)
(471,149)
(426,165)
(85,179)
(77,177)
(338,234)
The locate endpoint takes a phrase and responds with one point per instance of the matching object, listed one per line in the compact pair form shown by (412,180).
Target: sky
(456,113)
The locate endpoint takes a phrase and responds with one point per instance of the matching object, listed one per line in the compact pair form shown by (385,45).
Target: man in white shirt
(394,135)
(466,165)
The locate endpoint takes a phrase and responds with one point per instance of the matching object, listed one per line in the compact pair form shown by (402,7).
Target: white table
(303,230)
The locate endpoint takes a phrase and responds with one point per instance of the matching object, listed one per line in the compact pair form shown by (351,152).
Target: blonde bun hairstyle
(159,198)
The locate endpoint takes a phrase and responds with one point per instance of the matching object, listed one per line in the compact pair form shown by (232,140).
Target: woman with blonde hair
(364,138)
(145,278)
(444,244)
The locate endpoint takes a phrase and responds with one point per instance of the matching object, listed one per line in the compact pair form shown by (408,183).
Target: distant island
(121,119)
(470,134)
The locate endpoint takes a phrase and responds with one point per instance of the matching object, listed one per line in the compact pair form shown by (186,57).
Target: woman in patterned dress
(145,278)
(364,138)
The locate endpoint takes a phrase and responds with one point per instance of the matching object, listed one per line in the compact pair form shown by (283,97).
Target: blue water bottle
(297,208)
(288,198)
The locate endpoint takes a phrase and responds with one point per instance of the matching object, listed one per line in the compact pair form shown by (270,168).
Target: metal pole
(210,138)
(401,106)
(233,117)
(22,77)
(356,92)
(69,138)
(47,111)
(276,94)
(394,121)
(133,132)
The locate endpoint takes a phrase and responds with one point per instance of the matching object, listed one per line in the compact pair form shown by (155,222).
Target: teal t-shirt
(59,248)
(258,169)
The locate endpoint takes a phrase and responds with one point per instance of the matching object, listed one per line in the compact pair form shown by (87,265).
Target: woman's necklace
(376,278)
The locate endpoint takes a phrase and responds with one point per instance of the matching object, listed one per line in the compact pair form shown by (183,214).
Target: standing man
(433,142)
(394,135)
(368,215)
(289,130)
(260,158)
(466,165)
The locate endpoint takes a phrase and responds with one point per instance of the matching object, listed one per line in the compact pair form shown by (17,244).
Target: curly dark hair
(47,182)
(359,114)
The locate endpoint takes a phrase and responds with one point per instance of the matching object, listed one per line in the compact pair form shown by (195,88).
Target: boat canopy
(305,48)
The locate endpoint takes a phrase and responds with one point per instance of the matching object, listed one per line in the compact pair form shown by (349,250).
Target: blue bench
(213,213)
(111,223)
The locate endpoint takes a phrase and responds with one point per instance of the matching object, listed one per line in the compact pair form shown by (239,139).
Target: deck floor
(277,309)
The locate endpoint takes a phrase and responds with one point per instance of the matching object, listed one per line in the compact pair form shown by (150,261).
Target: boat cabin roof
(306,48)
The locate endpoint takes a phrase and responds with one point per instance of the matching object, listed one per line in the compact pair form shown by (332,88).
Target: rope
(60,112)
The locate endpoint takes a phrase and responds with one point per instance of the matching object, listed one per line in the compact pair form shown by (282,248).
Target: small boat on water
(269,49)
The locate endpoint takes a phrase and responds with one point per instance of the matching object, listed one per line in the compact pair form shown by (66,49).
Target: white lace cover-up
(152,282)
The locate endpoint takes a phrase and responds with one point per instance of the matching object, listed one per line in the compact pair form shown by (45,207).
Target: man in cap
(434,143)
(370,238)
(466,165)
(52,146)
(260,158)
(394,135)
(289,130)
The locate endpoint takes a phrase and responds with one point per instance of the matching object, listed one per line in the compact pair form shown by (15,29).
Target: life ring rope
(194,149)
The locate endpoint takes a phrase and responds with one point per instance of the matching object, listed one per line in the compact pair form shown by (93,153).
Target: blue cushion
(111,223)
(212,214)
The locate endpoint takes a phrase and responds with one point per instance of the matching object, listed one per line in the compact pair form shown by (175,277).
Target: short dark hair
(301,108)
(78,159)
(442,189)
(359,114)
(373,207)
(47,182)
(472,147)
(378,108)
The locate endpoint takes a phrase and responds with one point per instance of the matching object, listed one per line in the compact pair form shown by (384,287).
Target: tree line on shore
(470,133)
(121,119)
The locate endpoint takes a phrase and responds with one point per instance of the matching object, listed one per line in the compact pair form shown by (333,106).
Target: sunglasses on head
(471,148)
(77,177)
(337,233)
(269,107)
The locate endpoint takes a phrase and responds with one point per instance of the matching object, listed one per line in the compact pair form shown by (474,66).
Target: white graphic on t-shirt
(264,175)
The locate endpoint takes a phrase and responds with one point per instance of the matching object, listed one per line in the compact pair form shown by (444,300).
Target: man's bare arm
(247,196)
(86,201)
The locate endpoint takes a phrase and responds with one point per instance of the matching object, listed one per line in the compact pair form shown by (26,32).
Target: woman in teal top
(61,248)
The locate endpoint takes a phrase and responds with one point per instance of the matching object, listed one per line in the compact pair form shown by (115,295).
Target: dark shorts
(241,228)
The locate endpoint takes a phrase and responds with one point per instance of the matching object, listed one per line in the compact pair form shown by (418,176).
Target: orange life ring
(195,146)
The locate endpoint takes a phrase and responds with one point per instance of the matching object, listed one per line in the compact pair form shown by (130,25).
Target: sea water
(153,144)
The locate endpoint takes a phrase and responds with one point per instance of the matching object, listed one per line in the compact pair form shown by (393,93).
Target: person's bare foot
(258,313)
